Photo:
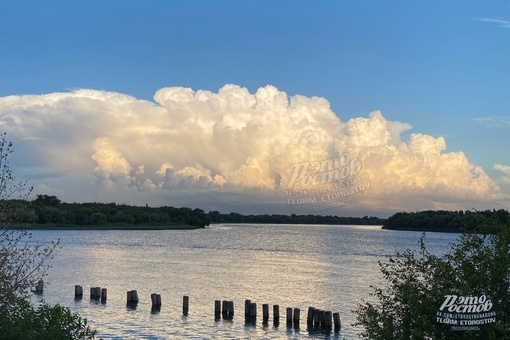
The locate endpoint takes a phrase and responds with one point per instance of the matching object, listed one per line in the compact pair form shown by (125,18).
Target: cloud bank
(230,150)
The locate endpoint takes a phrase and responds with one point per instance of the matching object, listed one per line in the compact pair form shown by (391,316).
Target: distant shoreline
(425,230)
(50,226)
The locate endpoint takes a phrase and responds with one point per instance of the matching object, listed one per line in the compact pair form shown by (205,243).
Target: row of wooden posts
(316,319)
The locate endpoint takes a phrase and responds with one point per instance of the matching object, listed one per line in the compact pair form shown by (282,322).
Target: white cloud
(496,121)
(197,144)
(505,23)
(505,169)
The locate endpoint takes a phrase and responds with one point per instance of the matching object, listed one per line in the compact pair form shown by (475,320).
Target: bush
(418,282)
(18,320)
(22,264)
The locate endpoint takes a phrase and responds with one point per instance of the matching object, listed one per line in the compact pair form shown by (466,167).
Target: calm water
(328,267)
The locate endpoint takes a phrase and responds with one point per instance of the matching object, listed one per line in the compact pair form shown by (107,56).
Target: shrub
(417,282)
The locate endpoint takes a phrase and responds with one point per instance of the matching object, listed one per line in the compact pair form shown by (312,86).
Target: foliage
(22,261)
(417,282)
(18,320)
(440,220)
(22,264)
(217,217)
(51,210)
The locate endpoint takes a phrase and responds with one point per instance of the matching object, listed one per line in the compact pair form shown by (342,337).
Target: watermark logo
(466,312)
(327,183)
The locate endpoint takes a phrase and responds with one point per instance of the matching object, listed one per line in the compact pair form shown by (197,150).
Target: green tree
(417,282)
(22,261)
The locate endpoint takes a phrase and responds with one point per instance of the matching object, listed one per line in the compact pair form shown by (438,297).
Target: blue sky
(439,66)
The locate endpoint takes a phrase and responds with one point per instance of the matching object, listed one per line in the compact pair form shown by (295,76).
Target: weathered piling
(185,305)
(132,297)
(247,304)
(78,292)
(156,303)
(104,293)
(322,319)
(231,309)
(315,318)
(309,317)
(224,308)
(95,293)
(327,321)
(227,309)
(297,313)
(336,319)
(276,315)
(217,309)
(156,299)
(39,288)
(265,313)
(289,317)
(253,310)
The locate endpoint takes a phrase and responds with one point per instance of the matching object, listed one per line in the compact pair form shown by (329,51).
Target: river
(297,266)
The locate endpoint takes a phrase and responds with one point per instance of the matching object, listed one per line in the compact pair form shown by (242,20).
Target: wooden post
(95,293)
(327,321)
(156,302)
(40,286)
(336,319)
(231,309)
(297,313)
(132,297)
(316,318)
(265,313)
(247,304)
(224,309)
(103,295)
(309,317)
(253,310)
(276,315)
(322,319)
(185,305)
(78,292)
(289,317)
(217,309)
(135,296)
(155,299)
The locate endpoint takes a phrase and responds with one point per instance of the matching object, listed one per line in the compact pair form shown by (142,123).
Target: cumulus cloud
(231,144)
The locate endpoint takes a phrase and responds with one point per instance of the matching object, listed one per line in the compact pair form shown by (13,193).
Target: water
(328,267)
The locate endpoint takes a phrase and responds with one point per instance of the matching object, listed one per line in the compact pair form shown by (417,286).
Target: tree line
(440,220)
(46,209)
(217,217)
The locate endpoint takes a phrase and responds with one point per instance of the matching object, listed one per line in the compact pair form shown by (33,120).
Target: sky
(347,108)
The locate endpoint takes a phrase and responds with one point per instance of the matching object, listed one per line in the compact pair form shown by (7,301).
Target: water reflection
(328,267)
